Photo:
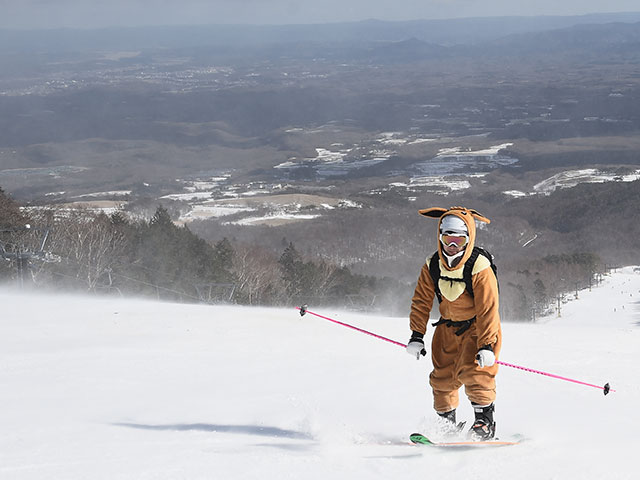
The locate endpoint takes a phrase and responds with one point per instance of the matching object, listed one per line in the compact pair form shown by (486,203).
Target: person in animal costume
(468,337)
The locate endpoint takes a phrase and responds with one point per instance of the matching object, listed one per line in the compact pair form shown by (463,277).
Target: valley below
(335,145)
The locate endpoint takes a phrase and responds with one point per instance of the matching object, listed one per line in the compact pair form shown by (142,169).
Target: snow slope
(121,389)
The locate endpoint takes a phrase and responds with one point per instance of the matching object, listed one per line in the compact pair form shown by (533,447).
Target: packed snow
(129,389)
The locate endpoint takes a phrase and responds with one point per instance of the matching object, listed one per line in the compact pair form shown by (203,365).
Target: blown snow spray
(606,388)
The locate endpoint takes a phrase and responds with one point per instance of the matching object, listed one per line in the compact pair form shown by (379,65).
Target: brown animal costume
(453,352)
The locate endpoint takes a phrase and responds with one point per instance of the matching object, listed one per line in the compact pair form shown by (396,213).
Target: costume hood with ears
(468,216)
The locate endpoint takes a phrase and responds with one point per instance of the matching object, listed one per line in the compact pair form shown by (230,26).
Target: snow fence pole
(606,388)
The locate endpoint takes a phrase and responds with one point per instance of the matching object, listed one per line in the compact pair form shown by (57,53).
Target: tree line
(101,253)
(116,254)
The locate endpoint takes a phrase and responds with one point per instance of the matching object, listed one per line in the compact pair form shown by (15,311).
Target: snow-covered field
(123,389)
(572,178)
(328,163)
(462,160)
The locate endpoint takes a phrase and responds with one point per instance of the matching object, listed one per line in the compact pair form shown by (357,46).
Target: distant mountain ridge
(602,37)
(465,31)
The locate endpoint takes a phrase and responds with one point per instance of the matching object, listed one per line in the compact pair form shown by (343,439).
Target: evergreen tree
(161,219)
(224,253)
(176,259)
(291,265)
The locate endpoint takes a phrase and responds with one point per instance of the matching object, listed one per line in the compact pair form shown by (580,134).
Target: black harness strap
(468,269)
(462,326)
(434,271)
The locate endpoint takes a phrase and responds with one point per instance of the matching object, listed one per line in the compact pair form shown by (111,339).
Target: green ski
(420,439)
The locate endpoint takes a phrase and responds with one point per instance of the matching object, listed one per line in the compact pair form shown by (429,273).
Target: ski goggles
(454,239)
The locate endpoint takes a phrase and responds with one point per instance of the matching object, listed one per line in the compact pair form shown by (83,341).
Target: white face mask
(452,258)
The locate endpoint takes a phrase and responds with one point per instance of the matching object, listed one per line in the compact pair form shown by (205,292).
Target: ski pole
(606,388)
(303,310)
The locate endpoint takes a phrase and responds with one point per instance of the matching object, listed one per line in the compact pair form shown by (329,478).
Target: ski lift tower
(22,254)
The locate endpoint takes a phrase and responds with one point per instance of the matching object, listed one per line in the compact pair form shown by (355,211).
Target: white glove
(415,347)
(485,358)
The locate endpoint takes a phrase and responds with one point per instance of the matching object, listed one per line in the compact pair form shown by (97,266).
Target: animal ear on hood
(475,214)
(433,212)
(437,212)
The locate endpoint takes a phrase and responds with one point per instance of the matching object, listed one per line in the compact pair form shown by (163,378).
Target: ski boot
(484,427)
(448,425)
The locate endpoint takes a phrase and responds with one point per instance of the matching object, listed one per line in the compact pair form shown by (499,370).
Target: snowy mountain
(125,389)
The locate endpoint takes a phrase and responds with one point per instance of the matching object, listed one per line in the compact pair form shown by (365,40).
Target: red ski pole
(606,388)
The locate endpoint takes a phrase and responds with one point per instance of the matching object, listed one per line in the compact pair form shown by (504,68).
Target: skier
(467,338)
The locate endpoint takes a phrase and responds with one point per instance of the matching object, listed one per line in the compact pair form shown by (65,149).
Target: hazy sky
(100,13)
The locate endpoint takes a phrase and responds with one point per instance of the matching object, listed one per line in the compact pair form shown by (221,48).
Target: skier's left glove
(485,357)
(415,348)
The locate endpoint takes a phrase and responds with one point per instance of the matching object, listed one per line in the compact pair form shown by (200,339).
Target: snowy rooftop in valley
(96,388)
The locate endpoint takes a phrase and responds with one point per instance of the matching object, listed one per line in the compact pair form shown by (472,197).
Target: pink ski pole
(606,388)
(303,310)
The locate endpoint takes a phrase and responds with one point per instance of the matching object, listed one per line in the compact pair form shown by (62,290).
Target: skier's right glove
(415,347)
(485,357)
